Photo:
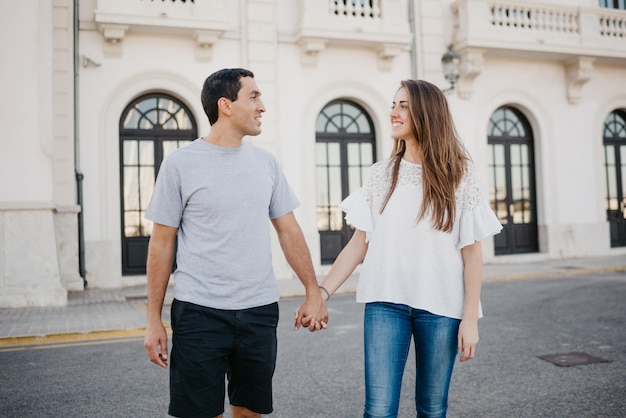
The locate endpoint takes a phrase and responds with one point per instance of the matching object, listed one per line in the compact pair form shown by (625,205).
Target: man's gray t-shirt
(221,200)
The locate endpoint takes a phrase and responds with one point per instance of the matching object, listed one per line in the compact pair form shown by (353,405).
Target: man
(215,197)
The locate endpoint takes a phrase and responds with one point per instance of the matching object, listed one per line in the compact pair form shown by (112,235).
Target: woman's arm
(472,278)
(350,257)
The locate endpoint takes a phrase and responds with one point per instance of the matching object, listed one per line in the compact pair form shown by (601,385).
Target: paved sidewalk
(109,313)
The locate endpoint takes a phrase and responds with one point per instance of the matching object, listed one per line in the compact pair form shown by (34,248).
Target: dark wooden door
(512,182)
(345,150)
(614,138)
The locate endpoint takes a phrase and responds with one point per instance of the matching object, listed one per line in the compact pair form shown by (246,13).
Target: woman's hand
(468,339)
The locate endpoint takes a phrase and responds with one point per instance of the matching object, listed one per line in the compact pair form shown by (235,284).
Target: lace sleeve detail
(477,220)
(471,193)
(358,206)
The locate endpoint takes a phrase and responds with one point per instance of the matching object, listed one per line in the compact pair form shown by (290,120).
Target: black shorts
(211,344)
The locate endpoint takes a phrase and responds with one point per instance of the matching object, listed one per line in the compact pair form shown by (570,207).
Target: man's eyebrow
(255,93)
(401,101)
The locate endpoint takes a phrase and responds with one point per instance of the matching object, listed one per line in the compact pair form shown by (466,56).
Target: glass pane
(151,118)
(322,187)
(320,124)
(515,155)
(146,104)
(611,179)
(336,219)
(146,153)
(130,153)
(168,104)
(131,224)
(623,170)
(334,184)
(332,110)
(334,154)
(367,155)
(609,155)
(333,125)
(323,221)
(131,188)
(615,126)
(497,181)
(131,120)
(351,110)
(504,122)
(364,124)
(354,179)
(183,120)
(350,125)
(354,154)
(168,121)
(146,225)
(320,153)
(147,186)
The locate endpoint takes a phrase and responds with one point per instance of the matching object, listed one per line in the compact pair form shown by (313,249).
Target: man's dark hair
(222,83)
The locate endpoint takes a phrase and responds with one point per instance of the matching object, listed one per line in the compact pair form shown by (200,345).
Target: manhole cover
(572,359)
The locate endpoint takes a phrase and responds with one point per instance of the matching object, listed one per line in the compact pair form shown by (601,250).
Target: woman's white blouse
(409,262)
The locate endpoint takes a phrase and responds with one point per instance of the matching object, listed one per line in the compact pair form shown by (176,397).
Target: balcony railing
(382,25)
(575,36)
(540,28)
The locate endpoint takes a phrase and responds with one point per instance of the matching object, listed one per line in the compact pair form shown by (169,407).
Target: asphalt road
(320,374)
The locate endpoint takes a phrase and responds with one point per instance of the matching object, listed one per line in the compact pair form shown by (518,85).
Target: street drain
(572,359)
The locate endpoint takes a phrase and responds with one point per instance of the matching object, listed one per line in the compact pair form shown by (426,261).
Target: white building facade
(99,91)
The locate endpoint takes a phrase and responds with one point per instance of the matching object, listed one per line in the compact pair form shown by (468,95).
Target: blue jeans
(388,329)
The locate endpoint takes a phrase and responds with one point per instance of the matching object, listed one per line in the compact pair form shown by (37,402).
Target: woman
(419,219)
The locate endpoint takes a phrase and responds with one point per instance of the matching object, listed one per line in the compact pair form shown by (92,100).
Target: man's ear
(223,105)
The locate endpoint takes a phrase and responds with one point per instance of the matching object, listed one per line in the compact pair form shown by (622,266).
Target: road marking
(72,339)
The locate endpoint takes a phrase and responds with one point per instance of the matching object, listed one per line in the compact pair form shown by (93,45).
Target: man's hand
(312,314)
(155,342)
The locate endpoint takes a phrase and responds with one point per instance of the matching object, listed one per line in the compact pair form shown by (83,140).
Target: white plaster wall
(29,266)
(30,271)
(25,80)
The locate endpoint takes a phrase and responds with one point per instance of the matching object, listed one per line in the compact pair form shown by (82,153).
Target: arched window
(345,150)
(150,128)
(512,181)
(614,139)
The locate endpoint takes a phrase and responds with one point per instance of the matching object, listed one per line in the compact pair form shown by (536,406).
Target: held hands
(468,339)
(312,313)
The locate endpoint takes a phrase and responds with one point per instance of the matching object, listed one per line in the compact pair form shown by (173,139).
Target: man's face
(248,108)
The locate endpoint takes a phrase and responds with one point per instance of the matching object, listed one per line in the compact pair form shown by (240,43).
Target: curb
(552,274)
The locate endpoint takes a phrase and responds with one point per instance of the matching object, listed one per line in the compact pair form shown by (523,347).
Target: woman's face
(400,116)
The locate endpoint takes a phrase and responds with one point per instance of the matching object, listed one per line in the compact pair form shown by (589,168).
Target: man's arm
(159,267)
(313,310)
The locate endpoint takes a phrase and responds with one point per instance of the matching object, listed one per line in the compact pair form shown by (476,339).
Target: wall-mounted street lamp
(450,64)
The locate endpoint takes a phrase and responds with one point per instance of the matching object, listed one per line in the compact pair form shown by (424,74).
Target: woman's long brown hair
(443,156)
